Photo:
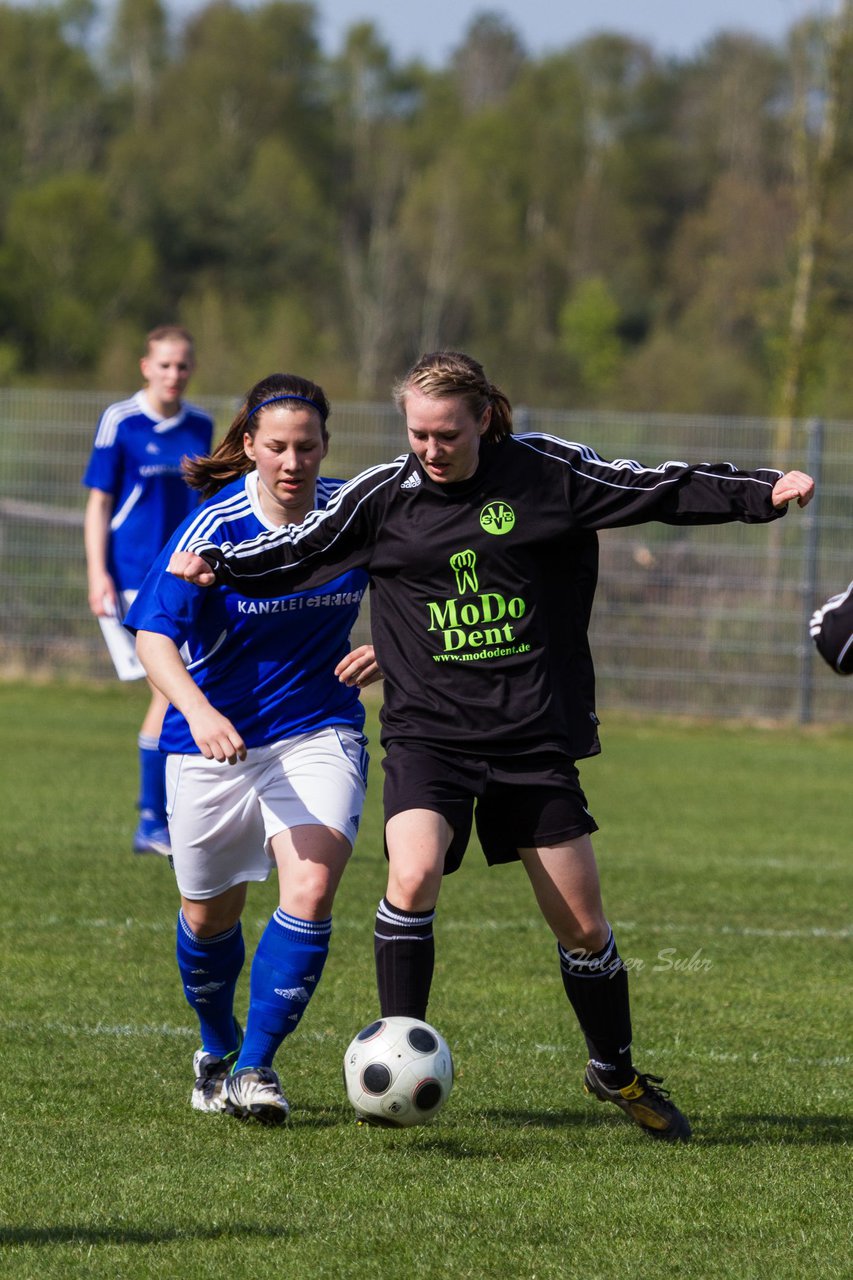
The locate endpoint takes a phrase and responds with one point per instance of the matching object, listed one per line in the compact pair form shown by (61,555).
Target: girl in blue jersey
(137,498)
(266,756)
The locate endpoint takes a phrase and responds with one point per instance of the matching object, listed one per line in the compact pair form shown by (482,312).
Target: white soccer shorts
(223,816)
(121,644)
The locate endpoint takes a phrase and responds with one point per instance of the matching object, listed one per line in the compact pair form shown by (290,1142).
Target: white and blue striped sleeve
(326,544)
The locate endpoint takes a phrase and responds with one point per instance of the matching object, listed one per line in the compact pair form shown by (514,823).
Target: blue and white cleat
(255,1093)
(151,837)
(210,1071)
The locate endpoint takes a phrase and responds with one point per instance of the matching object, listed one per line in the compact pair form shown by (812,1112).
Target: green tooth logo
(464,565)
(497,517)
(474,623)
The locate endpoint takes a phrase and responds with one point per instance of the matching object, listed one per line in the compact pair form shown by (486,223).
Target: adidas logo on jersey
(412,482)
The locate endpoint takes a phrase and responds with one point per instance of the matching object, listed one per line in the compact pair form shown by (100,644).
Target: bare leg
(565,881)
(417,841)
(210,916)
(311,861)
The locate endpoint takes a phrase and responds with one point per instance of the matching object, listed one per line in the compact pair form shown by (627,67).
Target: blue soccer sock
(285,972)
(152,781)
(209,969)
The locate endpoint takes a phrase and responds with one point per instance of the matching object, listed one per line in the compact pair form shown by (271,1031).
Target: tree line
(602,226)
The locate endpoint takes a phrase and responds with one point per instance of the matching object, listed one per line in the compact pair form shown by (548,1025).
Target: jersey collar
(255,501)
(160,424)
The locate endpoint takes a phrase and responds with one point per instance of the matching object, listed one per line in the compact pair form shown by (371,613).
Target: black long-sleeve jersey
(481,591)
(831,628)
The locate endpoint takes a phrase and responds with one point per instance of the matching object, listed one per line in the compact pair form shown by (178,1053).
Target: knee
(587,936)
(310,895)
(207,919)
(413,887)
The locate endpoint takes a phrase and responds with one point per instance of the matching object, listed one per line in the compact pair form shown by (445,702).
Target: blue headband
(285,396)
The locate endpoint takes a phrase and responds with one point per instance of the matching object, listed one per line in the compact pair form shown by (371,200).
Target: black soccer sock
(404,948)
(597,987)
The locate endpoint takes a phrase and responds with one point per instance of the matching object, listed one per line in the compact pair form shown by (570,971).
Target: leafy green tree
(716,315)
(137,51)
(69,272)
(589,332)
(601,225)
(52,117)
(488,61)
(372,105)
(241,79)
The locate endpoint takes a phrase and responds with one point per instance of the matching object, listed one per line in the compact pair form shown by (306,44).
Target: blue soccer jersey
(137,459)
(268,665)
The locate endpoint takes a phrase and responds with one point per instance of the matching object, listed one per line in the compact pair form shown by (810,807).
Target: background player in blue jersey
(266,753)
(137,498)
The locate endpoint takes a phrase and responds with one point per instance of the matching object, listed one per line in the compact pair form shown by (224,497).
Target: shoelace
(652,1084)
(264,1081)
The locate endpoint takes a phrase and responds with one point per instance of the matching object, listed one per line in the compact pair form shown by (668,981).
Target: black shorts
(521,801)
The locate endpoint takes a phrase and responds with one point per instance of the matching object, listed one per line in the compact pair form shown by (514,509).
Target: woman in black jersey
(482,553)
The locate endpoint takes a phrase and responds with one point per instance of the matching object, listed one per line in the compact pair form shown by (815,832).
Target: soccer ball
(398,1072)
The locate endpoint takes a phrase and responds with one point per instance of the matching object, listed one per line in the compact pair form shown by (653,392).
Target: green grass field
(725,859)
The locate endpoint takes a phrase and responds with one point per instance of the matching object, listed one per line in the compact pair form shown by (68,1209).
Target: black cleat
(644,1102)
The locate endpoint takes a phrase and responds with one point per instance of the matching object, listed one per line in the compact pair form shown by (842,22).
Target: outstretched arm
(606,495)
(293,557)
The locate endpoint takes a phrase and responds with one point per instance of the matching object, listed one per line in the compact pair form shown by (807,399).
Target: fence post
(808,595)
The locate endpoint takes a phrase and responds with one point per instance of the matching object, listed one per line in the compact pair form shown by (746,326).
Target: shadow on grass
(727,1131)
(130,1235)
(775,1130)
(515,1118)
(480,1143)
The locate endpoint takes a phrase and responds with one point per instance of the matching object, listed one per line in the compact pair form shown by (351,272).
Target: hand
(103,597)
(215,736)
(183,564)
(794,484)
(359,667)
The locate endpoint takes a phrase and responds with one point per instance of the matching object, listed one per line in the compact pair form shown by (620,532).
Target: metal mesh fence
(703,621)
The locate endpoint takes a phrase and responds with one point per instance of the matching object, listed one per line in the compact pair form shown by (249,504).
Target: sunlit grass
(725,860)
